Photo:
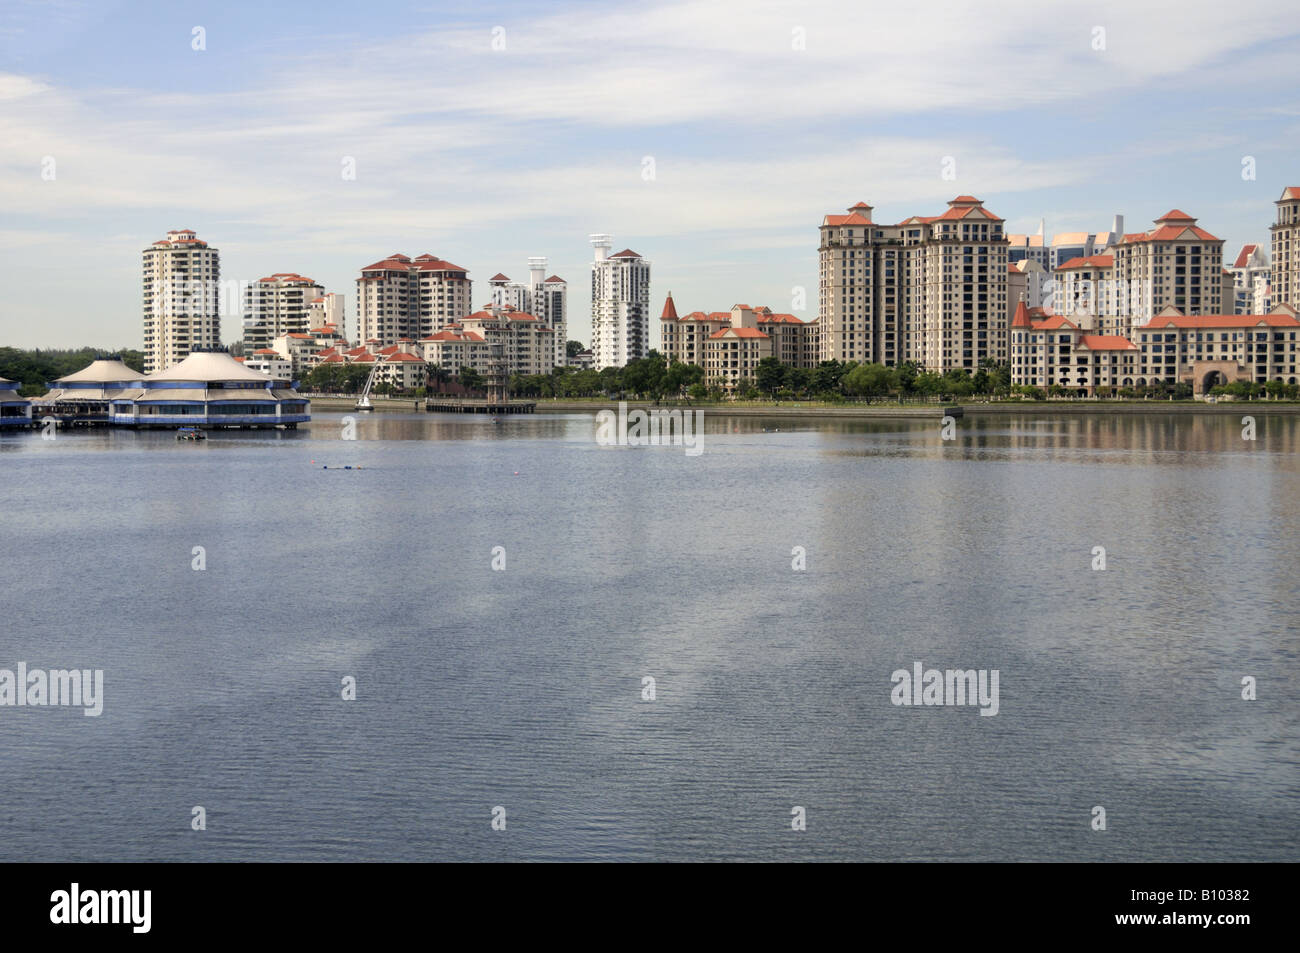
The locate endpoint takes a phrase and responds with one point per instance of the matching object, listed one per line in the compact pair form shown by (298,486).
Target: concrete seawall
(923,411)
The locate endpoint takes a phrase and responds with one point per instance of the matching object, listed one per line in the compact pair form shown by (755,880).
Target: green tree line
(35,368)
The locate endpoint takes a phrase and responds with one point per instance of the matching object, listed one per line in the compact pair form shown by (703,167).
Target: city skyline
(247,143)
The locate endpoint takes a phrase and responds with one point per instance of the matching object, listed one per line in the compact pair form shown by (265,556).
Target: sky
(710,137)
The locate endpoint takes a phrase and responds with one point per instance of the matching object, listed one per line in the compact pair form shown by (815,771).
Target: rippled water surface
(522,688)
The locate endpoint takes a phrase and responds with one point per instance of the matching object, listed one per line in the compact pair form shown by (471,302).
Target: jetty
(471,405)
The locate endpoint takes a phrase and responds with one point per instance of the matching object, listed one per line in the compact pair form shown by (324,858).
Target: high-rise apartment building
(1285,284)
(401,297)
(181,283)
(620,305)
(546,298)
(1175,265)
(931,289)
(277,305)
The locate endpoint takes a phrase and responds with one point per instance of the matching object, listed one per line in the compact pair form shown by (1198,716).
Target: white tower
(620,305)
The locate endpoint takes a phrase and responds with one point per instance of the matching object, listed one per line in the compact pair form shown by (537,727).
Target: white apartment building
(1286,249)
(1027,281)
(546,298)
(277,305)
(181,277)
(269,362)
(931,289)
(403,297)
(328,311)
(620,305)
(1250,281)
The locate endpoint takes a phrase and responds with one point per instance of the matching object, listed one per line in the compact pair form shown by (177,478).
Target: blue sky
(760,117)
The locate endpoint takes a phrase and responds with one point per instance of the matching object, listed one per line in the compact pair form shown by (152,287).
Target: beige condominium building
(1202,350)
(277,305)
(931,289)
(1175,265)
(526,344)
(409,297)
(686,338)
(1051,349)
(1285,285)
(181,307)
(1210,349)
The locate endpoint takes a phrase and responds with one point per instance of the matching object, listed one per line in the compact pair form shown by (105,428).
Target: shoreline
(904,411)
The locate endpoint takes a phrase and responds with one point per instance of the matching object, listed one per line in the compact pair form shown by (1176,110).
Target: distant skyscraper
(620,305)
(277,305)
(181,277)
(1285,286)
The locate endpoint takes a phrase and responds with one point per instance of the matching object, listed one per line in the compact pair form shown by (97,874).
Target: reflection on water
(523,687)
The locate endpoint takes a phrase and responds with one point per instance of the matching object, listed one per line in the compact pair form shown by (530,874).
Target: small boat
(190,433)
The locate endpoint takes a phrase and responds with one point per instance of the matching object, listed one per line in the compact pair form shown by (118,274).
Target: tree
(770,375)
(573,348)
(869,380)
(471,379)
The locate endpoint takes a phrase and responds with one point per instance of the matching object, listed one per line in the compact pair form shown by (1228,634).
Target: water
(522,688)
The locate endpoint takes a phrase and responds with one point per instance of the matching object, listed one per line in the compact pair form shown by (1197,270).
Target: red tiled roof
(626,253)
(398,262)
(1106,342)
(670,309)
(1055,322)
(1276,320)
(1290,194)
(854,218)
(1092,261)
(1021,319)
(1243,255)
(554,278)
(498,277)
(1175,215)
(400,356)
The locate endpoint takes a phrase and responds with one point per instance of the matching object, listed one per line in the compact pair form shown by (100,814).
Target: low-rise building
(209,389)
(1051,350)
(85,396)
(1207,350)
(15,411)
(686,338)
(268,361)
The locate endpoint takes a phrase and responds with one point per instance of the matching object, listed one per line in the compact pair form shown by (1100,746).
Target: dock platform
(471,406)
